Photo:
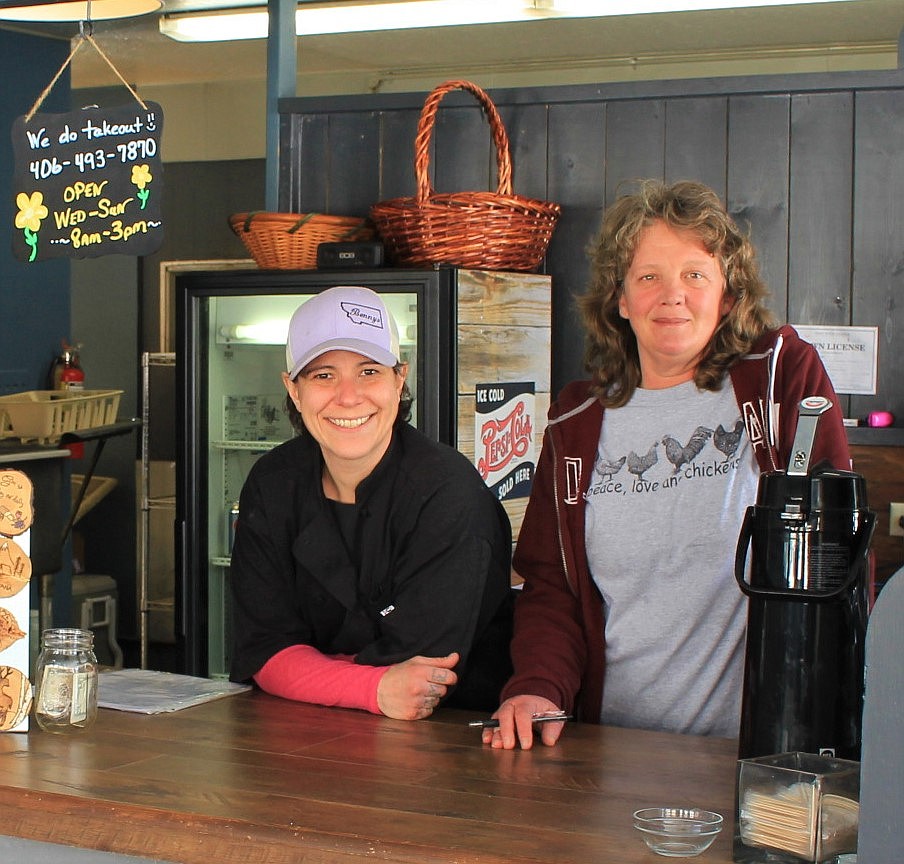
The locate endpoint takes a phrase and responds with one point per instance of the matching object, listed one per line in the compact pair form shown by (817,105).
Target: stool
(94,608)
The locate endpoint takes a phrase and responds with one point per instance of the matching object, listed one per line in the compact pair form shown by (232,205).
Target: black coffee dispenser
(807,585)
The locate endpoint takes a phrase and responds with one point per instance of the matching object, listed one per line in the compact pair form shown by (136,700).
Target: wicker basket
(289,241)
(479,230)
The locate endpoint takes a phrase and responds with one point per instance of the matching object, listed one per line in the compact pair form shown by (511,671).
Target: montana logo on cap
(365,315)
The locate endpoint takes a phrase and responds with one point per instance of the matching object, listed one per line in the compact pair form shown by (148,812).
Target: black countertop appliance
(807,585)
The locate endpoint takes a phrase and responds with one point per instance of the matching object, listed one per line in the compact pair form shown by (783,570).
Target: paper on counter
(145,691)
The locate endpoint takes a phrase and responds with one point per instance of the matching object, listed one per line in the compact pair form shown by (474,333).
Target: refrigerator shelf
(258,446)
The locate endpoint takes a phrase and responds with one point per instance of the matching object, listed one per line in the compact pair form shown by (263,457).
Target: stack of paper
(144,691)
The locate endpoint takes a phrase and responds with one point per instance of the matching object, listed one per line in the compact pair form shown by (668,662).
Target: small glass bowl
(677,832)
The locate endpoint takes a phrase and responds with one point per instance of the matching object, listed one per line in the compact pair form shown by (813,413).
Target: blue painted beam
(281,73)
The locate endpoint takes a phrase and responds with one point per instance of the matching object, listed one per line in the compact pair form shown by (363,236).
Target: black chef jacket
(430,573)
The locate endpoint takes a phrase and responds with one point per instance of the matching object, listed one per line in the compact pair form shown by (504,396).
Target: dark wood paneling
(878,277)
(353,169)
(812,164)
(821,178)
(635,143)
(696,141)
(463,157)
(577,135)
(758,183)
(819,260)
(526,126)
(311,165)
(399,129)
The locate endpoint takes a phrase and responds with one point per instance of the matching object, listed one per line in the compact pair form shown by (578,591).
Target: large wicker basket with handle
(480,230)
(289,241)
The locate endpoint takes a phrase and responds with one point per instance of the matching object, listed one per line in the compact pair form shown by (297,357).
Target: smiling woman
(346,383)
(371,566)
(647,469)
(673,296)
(348,404)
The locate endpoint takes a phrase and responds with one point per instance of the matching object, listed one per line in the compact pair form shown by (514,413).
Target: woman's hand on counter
(516,723)
(411,690)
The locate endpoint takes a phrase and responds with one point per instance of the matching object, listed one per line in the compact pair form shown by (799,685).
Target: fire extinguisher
(66,371)
(72,377)
(68,374)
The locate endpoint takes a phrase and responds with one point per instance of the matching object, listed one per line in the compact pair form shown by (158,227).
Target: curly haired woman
(630,613)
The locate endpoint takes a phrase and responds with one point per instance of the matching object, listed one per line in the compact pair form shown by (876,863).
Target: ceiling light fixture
(46,11)
(319,18)
(313,19)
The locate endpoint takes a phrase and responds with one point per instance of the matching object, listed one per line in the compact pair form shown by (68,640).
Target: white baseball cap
(344,318)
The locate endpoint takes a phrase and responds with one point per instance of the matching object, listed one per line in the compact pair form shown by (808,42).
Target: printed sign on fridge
(504,437)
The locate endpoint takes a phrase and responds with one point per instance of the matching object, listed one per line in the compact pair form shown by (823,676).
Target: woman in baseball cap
(371,565)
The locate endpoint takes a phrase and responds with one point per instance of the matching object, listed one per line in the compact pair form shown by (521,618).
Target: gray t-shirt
(673,476)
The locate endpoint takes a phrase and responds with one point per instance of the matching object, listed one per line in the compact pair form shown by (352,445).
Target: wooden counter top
(252,779)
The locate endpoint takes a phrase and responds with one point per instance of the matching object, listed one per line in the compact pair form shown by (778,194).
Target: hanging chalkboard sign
(88,183)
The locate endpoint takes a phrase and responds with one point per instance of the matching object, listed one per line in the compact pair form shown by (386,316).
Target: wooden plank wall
(503,336)
(813,164)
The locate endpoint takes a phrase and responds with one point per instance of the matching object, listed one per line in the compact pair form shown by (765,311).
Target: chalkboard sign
(88,183)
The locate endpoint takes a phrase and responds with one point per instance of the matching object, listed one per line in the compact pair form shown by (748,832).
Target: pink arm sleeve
(302,673)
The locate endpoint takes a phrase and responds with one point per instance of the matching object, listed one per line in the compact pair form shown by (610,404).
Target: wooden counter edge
(190,838)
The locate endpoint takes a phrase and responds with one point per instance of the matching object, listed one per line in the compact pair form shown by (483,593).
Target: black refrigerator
(457,327)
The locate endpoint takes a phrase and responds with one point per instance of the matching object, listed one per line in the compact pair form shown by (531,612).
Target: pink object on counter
(880,418)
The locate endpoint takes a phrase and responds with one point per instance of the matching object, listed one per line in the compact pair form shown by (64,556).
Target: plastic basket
(44,416)
(289,241)
(480,230)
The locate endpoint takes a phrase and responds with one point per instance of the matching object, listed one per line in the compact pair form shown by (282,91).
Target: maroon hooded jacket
(558,650)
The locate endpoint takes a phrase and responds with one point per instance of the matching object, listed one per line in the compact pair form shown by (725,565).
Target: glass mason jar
(66,681)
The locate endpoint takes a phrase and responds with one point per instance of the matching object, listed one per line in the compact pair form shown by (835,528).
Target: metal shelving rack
(148,503)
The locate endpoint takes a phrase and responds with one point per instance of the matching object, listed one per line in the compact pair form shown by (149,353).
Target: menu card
(88,183)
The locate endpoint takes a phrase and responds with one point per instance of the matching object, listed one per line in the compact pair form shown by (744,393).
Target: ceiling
(842,35)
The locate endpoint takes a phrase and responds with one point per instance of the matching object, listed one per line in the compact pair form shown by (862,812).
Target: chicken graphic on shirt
(640,464)
(683,454)
(606,468)
(727,442)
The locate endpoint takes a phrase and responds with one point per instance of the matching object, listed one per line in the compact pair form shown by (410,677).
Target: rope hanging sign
(89,182)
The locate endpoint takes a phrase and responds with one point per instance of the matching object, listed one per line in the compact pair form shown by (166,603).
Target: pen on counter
(545,717)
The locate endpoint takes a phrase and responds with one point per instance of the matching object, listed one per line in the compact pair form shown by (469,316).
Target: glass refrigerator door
(246,417)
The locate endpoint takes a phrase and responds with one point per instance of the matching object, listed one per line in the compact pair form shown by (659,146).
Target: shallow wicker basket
(480,230)
(289,241)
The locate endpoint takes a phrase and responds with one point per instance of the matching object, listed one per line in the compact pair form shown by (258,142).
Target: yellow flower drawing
(141,177)
(31,211)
